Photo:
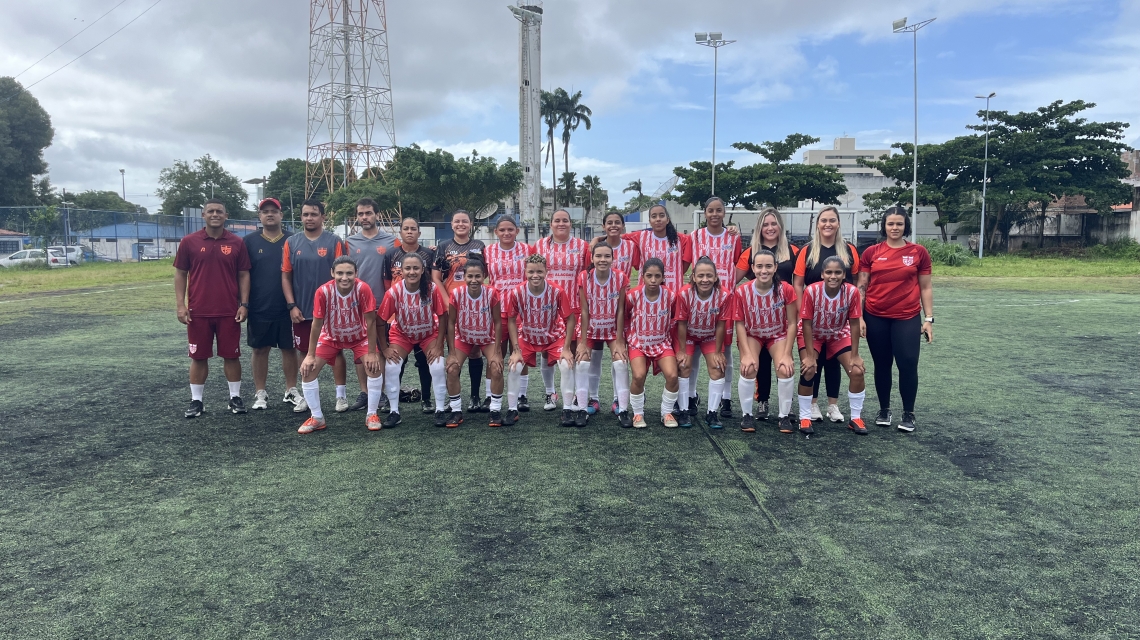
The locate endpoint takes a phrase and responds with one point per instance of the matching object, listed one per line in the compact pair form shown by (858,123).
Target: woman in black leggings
(896,288)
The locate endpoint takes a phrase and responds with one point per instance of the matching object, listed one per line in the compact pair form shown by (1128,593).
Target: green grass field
(1011,513)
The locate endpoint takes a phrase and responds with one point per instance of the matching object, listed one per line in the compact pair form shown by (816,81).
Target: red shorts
(328,351)
(301,331)
(470,350)
(200,334)
(530,352)
(833,347)
(635,353)
(397,337)
(707,345)
(768,341)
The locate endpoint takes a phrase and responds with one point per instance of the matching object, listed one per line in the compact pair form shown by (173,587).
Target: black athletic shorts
(276,333)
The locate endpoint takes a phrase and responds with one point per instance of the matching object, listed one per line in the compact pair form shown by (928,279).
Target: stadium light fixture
(701,37)
(899,26)
(985,175)
(715,40)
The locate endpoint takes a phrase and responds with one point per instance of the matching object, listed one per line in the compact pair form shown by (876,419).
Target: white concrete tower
(529,16)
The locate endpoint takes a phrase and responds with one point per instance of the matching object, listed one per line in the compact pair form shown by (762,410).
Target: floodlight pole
(715,43)
(902,28)
(985,176)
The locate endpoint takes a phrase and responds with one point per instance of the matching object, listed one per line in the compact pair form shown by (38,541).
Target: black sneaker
(441,418)
(524,404)
(567,418)
(684,419)
(760,410)
(625,420)
(884,418)
(806,428)
(392,420)
(694,405)
(512,418)
(496,419)
(361,402)
(676,408)
(907,423)
(428,407)
(455,420)
(486,405)
(726,408)
(581,418)
(747,424)
(712,419)
(477,406)
(237,406)
(194,410)
(384,406)
(787,424)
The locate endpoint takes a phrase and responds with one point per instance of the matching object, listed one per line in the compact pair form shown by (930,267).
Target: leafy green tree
(638,202)
(569,186)
(341,205)
(592,194)
(779,183)
(102,201)
(695,186)
(45,223)
(190,184)
(433,184)
(574,114)
(25,131)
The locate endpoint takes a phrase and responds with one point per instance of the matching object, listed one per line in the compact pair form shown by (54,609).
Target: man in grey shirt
(368,249)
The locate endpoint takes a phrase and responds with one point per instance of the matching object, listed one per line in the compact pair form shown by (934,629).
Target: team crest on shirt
(379,250)
(908,260)
(226,249)
(322,252)
(193,348)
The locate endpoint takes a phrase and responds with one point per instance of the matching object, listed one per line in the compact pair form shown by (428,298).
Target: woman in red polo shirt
(896,288)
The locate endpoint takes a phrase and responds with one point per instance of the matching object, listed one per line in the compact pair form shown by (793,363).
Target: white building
(843,156)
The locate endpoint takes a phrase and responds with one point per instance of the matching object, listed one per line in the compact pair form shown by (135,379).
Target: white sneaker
(300,406)
(551,402)
(261,400)
(292,396)
(342,405)
(816,416)
(833,413)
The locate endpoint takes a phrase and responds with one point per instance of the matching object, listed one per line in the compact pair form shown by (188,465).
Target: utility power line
(69,39)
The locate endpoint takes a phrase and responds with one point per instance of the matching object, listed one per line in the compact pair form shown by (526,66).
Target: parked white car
(54,257)
(74,253)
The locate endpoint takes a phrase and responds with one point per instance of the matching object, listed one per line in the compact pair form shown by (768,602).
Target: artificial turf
(1011,513)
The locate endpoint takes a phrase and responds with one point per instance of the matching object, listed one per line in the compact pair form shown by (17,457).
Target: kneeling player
(650,335)
(344,317)
(828,309)
(474,316)
(704,310)
(766,314)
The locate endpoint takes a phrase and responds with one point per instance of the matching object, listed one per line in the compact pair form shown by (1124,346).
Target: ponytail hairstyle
(705,260)
(503,219)
(653,262)
(670,230)
(775,274)
(711,200)
(425,279)
(841,250)
(598,243)
(475,262)
(783,253)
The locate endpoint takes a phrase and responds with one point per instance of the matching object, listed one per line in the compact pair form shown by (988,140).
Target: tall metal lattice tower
(351,132)
(529,16)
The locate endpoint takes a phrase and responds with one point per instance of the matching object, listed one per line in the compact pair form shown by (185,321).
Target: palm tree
(573,114)
(551,109)
(569,184)
(635,186)
(592,190)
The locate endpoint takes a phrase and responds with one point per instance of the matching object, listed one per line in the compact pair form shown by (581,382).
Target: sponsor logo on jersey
(908,260)
(322,252)
(226,249)
(202,250)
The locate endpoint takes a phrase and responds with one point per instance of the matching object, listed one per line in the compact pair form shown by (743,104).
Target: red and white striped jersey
(564,261)
(702,316)
(626,255)
(649,327)
(603,299)
(412,316)
(676,258)
(473,321)
(541,319)
(506,268)
(343,315)
(724,250)
(830,316)
(763,315)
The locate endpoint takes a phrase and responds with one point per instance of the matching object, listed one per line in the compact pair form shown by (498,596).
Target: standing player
(393,268)
(305,266)
(827,315)
(704,309)
(566,257)
(344,317)
(826,241)
(539,321)
(415,306)
(662,241)
(766,314)
(715,242)
(651,338)
(506,270)
(625,256)
(211,269)
(451,258)
(601,292)
(474,316)
(368,249)
(896,287)
(269,324)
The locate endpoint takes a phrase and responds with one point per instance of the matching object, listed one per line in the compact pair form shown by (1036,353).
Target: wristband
(291,306)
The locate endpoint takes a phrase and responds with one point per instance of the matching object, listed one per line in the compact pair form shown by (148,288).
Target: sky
(230,78)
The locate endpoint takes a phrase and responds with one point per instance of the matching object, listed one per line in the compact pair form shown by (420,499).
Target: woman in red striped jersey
(506,269)
(539,320)
(766,313)
(344,317)
(415,306)
(829,315)
(474,317)
(721,245)
(624,247)
(602,291)
(662,241)
(896,287)
(652,315)
(566,257)
(704,310)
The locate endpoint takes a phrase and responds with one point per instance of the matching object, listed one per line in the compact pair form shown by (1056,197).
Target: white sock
(547,371)
(342,391)
(683,393)
(785,391)
(856,401)
(744,386)
(455,402)
(392,384)
(582,383)
(805,407)
(716,388)
(375,391)
(514,385)
(497,402)
(524,383)
(196,391)
(312,392)
(727,393)
(637,403)
(621,383)
(668,399)
(566,374)
(595,373)
(439,383)
(235,388)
